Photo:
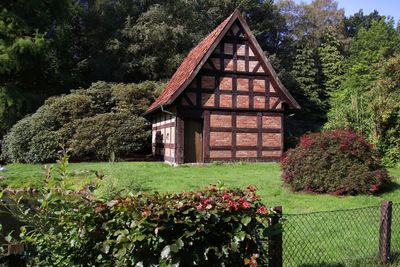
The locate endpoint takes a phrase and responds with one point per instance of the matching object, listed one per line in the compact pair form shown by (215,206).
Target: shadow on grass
(390,187)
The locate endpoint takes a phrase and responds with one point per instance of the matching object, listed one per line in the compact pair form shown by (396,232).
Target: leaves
(339,162)
(175,232)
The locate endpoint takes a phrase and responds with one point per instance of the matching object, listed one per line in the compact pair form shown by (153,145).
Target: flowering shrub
(191,228)
(338,162)
(216,226)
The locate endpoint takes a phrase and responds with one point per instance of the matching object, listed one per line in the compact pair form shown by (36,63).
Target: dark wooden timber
(385,230)
(234,131)
(275,248)
(206,135)
(163,126)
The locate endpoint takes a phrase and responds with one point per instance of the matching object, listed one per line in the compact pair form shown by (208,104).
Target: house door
(193,147)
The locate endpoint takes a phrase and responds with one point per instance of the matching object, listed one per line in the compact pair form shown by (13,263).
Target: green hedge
(93,123)
(215,227)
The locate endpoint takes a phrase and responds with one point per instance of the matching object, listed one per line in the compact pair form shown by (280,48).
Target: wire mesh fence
(354,237)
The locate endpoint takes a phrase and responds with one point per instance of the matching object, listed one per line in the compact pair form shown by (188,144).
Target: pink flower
(226,196)
(206,201)
(245,204)
(262,210)
(200,207)
(233,204)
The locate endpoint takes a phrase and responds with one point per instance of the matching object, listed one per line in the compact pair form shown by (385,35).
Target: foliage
(359,20)
(385,107)
(102,135)
(331,63)
(62,44)
(94,123)
(135,98)
(338,162)
(213,226)
(353,105)
(306,75)
(13,105)
(312,20)
(29,141)
(38,54)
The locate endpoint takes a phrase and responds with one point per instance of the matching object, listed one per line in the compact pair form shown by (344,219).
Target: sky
(384,7)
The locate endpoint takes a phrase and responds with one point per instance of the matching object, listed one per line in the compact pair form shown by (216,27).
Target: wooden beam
(233,135)
(229,73)
(179,156)
(163,126)
(244,130)
(206,136)
(259,135)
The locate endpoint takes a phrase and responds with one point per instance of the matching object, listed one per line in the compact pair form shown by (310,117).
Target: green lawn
(164,178)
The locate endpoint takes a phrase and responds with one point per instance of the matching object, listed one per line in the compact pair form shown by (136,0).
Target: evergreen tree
(331,63)
(359,20)
(308,89)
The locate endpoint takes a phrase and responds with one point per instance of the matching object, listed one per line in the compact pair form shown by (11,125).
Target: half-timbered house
(224,103)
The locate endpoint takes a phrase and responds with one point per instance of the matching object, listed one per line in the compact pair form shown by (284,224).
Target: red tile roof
(188,66)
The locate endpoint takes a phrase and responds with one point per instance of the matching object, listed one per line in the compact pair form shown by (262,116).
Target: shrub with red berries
(339,162)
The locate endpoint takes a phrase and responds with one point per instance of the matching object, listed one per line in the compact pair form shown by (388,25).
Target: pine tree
(306,75)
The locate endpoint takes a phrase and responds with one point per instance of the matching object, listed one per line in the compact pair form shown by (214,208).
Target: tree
(311,21)
(358,20)
(385,108)
(36,55)
(352,105)
(331,63)
(305,73)
(153,45)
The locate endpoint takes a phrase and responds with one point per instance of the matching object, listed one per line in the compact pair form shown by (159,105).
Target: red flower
(233,204)
(226,196)
(245,204)
(262,210)
(206,201)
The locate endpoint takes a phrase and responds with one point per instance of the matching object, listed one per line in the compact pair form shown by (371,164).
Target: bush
(135,98)
(96,122)
(216,226)
(110,133)
(29,141)
(221,227)
(338,162)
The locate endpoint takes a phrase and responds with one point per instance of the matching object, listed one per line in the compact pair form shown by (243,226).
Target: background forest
(344,71)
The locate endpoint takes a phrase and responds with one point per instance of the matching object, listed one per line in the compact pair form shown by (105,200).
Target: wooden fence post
(385,230)
(275,250)
(15,258)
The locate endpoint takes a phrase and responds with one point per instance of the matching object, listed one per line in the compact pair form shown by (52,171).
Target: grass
(156,176)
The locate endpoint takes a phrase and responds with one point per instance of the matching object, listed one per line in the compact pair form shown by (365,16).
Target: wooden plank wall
(163,137)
